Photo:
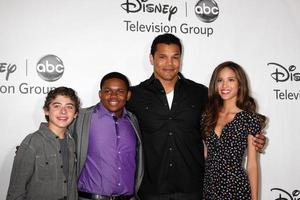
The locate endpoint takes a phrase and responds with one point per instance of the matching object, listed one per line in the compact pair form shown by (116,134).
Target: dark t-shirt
(64,153)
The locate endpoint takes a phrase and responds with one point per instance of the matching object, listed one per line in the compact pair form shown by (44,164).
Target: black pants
(173,196)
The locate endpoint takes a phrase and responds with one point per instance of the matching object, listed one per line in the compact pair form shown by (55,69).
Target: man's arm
(259,141)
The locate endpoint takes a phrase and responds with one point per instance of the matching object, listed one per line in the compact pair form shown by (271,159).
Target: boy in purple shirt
(108,144)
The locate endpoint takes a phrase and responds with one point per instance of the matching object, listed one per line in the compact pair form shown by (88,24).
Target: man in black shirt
(169,109)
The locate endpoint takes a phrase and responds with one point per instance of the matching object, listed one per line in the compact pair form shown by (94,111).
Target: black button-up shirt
(174,158)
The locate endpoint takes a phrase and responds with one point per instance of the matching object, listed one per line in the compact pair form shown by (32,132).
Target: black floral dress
(225,177)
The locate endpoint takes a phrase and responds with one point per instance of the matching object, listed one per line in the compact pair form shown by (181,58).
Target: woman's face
(227,84)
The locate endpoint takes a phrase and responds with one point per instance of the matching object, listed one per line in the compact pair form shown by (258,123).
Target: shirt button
(119,184)
(170,149)
(171,164)
(170,118)
(119,168)
(170,133)
(61,166)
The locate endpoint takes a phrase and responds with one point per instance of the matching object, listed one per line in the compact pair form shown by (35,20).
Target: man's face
(114,95)
(166,62)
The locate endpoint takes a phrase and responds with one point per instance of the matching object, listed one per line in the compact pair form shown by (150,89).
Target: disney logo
(7,69)
(284,195)
(134,6)
(282,74)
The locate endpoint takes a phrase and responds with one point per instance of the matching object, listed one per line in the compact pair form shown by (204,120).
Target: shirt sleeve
(22,170)
(254,126)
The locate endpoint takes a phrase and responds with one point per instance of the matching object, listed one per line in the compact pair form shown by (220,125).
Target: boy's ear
(99,94)
(128,95)
(46,111)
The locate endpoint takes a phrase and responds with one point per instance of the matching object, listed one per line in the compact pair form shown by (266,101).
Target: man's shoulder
(194,84)
(195,87)
(187,83)
(140,90)
(141,85)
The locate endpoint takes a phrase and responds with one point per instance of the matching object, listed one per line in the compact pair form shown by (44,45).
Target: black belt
(102,197)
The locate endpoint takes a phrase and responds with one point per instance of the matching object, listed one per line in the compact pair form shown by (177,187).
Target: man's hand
(259,142)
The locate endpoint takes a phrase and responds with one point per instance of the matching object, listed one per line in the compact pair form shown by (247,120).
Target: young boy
(109,146)
(44,166)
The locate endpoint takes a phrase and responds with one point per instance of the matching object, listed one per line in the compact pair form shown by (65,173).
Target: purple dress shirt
(110,165)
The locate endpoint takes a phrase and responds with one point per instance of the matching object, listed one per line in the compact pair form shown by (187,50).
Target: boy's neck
(60,132)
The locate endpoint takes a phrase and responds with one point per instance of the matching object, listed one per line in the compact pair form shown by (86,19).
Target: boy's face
(61,113)
(114,95)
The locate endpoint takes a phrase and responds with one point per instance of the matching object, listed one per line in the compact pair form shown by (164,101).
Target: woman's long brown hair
(215,102)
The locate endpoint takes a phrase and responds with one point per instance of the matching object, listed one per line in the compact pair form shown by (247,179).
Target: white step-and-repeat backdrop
(45,44)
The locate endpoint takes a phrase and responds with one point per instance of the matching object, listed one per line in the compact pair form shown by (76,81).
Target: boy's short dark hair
(117,75)
(166,38)
(64,91)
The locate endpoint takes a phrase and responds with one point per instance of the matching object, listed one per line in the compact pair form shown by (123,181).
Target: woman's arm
(252,168)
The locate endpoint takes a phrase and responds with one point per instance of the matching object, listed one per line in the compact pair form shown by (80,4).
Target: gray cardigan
(80,130)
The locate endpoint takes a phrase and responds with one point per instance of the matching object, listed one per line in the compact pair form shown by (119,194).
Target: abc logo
(207,10)
(50,68)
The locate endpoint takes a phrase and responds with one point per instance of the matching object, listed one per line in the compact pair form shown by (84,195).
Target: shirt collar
(152,79)
(101,111)
(48,132)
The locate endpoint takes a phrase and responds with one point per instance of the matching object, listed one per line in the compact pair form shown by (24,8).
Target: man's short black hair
(117,75)
(165,38)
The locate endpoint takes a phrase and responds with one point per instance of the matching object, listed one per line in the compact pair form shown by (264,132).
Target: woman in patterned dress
(229,125)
